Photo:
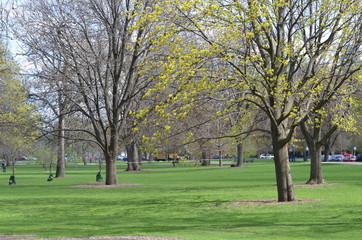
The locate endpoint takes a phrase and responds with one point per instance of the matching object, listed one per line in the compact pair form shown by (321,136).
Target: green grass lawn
(182,202)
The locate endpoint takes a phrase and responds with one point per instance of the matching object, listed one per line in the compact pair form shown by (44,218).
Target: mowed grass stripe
(183,202)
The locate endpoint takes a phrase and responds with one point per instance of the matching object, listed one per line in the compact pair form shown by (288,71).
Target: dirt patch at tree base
(106,186)
(265,202)
(314,184)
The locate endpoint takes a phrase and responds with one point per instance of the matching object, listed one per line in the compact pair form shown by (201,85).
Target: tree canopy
(288,58)
(18,118)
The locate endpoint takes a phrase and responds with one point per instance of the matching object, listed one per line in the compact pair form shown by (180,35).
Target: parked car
(167,157)
(324,158)
(349,158)
(336,158)
(23,159)
(266,156)
(121,158)
(359,157)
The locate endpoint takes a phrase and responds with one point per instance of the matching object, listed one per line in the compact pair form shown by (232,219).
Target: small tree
(341,114)
(18,118)
(45,151)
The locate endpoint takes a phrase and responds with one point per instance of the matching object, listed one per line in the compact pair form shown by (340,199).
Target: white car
(336,158)
(324,158)
(121,158)
(266,156)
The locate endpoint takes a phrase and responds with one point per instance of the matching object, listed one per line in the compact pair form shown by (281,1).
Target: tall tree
(288,57)
(103,45)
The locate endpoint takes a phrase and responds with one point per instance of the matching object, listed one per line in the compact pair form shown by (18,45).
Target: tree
(45,153)
(315,140)
(338,114)
(18,118)
(45,80)
(288,58)
(102,44)
(48,92)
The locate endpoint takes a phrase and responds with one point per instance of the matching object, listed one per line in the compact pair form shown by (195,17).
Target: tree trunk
(60,172)
(239,162)
(174,162)
(204,161)
(282,166)
(316,176)
(305,155)
(111,169)
(220,159)
(132,158)
(136,163)
(84,161)
(327,150)
(139,158)
(110,156)
(313,139)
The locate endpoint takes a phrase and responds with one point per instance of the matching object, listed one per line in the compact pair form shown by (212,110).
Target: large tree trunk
(282,166)
(110,157)
(60,172)
(239,162)
(316,176)
(204,160)
(132,158)
(111,169)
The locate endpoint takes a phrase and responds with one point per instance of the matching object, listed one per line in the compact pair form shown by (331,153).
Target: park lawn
(183,202)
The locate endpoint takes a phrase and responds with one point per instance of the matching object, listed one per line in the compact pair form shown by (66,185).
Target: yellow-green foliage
(17,117)
(45,154)
(285,57)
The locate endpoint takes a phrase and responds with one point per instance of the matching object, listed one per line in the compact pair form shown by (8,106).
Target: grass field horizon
(182,202)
